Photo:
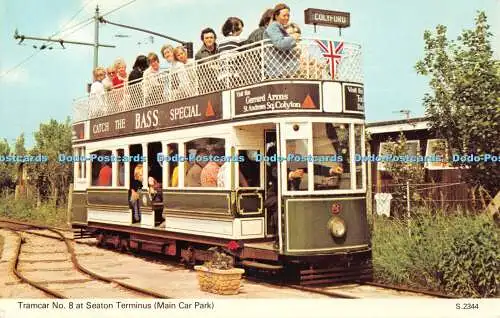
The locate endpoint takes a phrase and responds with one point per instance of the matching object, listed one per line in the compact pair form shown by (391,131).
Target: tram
(288,124)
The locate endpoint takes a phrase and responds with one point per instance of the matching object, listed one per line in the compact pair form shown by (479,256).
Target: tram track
(85,275)
(348,291)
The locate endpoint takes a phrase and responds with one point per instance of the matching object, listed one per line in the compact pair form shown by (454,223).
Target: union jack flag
(333,51)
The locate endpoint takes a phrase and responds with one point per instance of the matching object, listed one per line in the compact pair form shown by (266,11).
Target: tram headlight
(337,227)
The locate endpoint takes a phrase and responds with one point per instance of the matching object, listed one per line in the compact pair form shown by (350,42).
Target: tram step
(261,265)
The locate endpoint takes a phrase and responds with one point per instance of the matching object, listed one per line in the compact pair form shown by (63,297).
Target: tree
(7,169)
(52,178)
(464,106)
(402,172)
(19,148)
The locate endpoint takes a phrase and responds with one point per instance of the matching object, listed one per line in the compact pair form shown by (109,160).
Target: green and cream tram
(290,126)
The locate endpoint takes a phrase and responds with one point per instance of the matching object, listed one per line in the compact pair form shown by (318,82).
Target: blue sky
(390,32)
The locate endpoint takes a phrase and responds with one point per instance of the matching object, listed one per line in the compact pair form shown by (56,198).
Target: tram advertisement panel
(184,112)
(292,97)
(353,96)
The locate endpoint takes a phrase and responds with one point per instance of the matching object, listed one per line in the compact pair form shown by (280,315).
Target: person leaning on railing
(167,51)
(153,83)
(135,76)
(280,60)
(183,76)
(258,34)
(231,29)
(96,98)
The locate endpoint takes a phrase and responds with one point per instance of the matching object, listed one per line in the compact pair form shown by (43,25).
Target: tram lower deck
(281,189)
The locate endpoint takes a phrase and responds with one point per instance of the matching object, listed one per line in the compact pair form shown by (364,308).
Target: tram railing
(247,65)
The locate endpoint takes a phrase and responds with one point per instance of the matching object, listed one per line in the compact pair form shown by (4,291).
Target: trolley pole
(96,37)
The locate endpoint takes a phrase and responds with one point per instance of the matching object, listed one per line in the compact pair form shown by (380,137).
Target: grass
(415,254)
(26,210)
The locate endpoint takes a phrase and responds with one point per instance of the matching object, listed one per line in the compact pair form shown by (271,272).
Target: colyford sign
(327,18)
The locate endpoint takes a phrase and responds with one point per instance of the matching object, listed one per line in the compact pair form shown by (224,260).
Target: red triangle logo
(308,102)
(210,110)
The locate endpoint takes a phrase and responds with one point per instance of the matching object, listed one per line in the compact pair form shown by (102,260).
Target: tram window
(331,155)
(102,173)
(172,162)
(358,130)
(204,163)
(155,167)
(296,150)
(249,175)
(80,164)
(121,168)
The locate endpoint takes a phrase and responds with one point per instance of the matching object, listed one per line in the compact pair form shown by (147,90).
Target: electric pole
(96,37)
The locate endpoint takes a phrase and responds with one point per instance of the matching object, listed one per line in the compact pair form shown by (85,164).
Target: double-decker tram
(253,150)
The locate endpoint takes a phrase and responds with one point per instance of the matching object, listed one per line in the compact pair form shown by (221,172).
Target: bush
(456,254)
(26,210)
(470,267)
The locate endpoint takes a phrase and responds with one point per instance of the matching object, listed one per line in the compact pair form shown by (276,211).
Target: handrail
(247,65)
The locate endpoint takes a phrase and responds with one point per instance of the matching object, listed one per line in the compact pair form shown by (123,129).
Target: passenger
(209,173)
(232,29)
(97,98)
(230,73)
(193,175)
(167,51)
(108,81)
(209,46)
(258,34)
(173,166)
(135,187)
(97,88)
(153,82)
(155,190)
(140,65)
(135,91)
(105,175)
(183,79)
(120,77)
(280,60)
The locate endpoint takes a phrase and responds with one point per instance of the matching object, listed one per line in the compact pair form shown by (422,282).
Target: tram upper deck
(252,80)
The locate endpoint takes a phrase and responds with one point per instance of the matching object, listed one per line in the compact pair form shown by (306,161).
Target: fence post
(70,204)
(408,205)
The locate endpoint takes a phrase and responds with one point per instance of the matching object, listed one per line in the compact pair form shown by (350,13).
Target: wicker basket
(219,281)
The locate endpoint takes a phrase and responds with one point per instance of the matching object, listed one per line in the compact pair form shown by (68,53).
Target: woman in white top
(183,75)
(97,93)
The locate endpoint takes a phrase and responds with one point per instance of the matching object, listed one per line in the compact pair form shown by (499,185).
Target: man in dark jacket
(209,46)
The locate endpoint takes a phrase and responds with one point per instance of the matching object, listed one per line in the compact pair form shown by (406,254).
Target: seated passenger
(209,173)
(193,175)
(280,60)
(258,34)
(105,175)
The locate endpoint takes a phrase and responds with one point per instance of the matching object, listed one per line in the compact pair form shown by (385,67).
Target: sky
(44,87)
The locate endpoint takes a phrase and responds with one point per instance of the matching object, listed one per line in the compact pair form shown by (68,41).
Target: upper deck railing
(250,64)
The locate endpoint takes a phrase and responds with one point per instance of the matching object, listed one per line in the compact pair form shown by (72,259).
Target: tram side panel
(309,224)
(79,208)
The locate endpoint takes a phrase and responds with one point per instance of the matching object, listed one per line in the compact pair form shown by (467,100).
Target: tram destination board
(327,18)
(271,98)
(354,98)
(194,110)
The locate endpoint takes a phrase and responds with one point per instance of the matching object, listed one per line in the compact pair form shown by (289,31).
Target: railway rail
(349,291)
(120,289)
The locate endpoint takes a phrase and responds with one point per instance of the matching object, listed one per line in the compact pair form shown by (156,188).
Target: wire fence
(402,200)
